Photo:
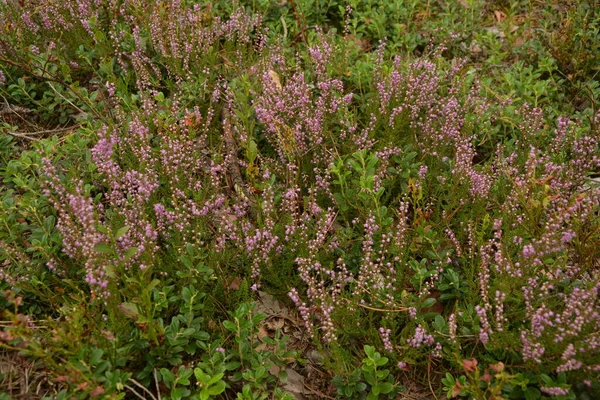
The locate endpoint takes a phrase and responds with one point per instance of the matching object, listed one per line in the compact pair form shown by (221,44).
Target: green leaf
(369,351)
(201,376)
(216,378)
(385,387)
(96,356)
(217,389)
(49,223)
(179,393)
(375,390)
(103,248)
(130,309)
(382,361)
(204,395)
(121,231)
(230,326)
(168,377)
(233,365)
(532,393)
(252,151)
(130,252)
(428,303)
(260,372)
(439,323)
(283,376)
(152,285)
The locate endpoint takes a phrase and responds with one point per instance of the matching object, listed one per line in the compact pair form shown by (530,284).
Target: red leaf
(470,365)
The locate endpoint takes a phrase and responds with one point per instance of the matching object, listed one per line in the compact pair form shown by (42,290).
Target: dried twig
(144,389)
(8,109)
(32,135)
(429,379)
(16,110)
(402,309)
(132,390)
(318,393)
(156,384)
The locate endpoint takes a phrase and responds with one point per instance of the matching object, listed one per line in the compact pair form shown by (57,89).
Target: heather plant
(391,200)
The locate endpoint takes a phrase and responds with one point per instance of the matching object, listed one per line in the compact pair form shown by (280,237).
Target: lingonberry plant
(165,164)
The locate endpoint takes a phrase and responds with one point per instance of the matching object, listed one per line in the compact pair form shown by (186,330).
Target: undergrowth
(414,182)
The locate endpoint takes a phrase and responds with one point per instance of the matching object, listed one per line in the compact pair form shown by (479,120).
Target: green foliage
(371,381)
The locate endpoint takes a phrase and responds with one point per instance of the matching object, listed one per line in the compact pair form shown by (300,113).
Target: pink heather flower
(385,338)
(555,391)
(421,338)
(412,311)
(568,236)
(528,251)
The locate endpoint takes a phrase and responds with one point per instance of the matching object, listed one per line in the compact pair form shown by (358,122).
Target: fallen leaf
(494,30)
(108,335)
(268,305)
(275,324)
(235,283)
(295,384)
(262,332)
(274,370)
(275,78)
(500,16)
(315,357)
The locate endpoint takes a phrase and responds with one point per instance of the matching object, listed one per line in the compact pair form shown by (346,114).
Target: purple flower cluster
(421,338)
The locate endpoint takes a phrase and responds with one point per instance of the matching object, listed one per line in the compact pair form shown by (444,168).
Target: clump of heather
(393,213)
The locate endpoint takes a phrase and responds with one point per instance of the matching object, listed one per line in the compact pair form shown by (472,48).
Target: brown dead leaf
(464,3)
(275,78)
(268,305)
(497,32)
(295,384)
(108,335)
(235,283)
(262,332)
(274,370)
(275,324)
(499,15)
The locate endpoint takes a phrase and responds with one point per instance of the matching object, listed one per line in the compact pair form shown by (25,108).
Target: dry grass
(21,378)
